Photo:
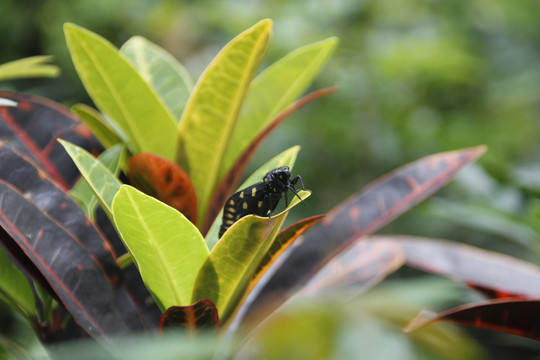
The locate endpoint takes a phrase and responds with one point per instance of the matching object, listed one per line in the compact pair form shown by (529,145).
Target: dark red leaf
(23,175)
(165,181)
(70,270)
(33,128)
(480,268)
(518,317)
(230,181)
(363,213)
(201,315)
(360,267)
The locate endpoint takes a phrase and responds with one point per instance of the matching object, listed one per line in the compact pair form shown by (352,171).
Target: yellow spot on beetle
(242,195)
(259,204)
(244,205)
(253,192)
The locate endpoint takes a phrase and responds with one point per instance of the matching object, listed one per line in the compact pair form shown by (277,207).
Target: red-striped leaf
(34,125)
(164,180)
(77,280)
(201,315)
(364,213)
(233,176)
(23,175)
(518,317)
(500,274)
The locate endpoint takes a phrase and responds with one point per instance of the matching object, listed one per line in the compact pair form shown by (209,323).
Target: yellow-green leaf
(100,128)
(273,90)
(35,66)
(209,118)
(161,70)
(167,248)
(120,92)
(232,263)
(287,157)
(15,289)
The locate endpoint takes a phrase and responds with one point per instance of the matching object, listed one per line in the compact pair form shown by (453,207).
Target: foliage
(185,161)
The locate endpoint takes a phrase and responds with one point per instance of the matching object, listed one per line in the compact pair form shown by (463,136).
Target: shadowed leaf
(516,317)
(201,315)
(33,127)
(165,181)
(363,213)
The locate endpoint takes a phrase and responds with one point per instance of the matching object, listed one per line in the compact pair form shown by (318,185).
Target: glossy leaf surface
(165,181)
(225,276)
(32,128)
(273,90)
(210,115)
(161,70)
(167,248)
(121,93)
(69,268)
(364,213)
(201,315)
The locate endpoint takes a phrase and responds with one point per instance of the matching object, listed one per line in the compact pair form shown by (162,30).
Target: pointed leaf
(225,276)
(104,184)
(75,277)
(231,179)
(32,129)
(165,181)
(273,90)
(509,316)
(15,289)
(201,315)
(82,191)
(210,115)
(34,66)
(161,70)
(471,265)
(364,213)
(101,130)
(167,248)
(120,92)
(286,158)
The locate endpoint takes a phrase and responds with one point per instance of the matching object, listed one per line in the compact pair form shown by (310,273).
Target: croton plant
(110,216)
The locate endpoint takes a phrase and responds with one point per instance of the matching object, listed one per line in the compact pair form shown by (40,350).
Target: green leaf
(161,70)
(99,126)
(209,117)
(273,90)
(35,66)
(233,262)
(120,92)
(104,184)
(287,157)
(82,191)
(167,248)
(15,289)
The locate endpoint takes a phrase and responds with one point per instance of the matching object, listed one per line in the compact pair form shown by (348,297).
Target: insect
(260,198)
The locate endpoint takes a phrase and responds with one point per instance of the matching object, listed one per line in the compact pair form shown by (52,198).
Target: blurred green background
(415,78)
